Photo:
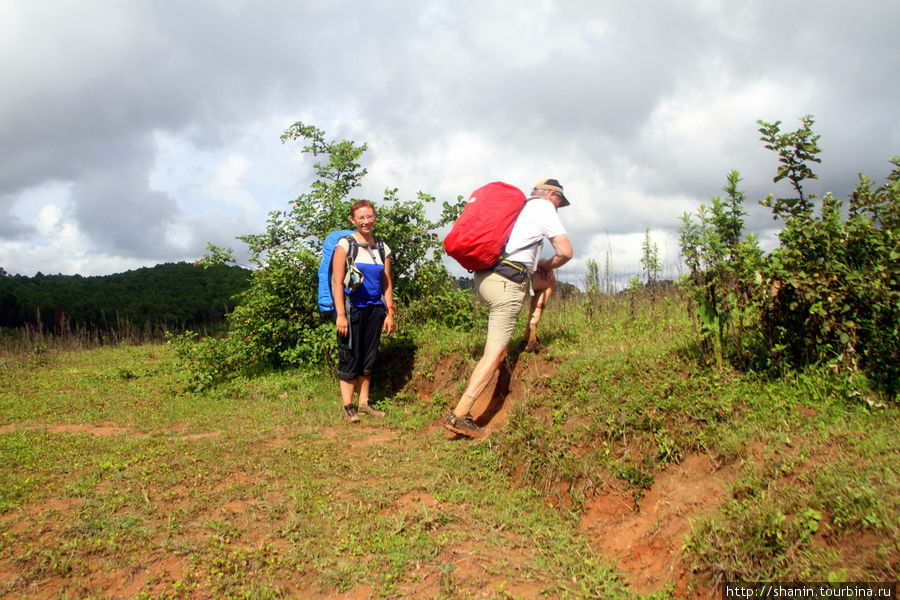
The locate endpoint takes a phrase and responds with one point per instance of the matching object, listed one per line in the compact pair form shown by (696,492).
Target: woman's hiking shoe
(464,426)
(350,414)
(368,410)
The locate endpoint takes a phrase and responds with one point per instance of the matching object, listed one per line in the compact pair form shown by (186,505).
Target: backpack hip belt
(515,271)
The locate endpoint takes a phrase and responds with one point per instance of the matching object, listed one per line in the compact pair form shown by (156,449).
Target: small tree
(721,266)
(834,281)
(650,264)
(592,279)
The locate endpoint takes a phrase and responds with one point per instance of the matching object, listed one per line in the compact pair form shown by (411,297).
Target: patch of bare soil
(444,376)
(471,567)
(374,436)
(99,430)
(413,502)
(128,582)
(646,540)
(516,376)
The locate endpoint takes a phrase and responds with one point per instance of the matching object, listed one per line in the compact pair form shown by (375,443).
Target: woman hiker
(363,311)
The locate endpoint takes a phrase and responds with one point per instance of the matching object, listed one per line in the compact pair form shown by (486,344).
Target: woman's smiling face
(363,218)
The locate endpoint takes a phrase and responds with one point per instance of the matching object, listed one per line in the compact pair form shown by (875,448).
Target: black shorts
(357,352)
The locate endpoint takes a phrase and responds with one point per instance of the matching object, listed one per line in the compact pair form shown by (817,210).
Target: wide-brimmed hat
(555,185)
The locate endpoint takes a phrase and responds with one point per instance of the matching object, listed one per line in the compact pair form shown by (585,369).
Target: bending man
(505,285)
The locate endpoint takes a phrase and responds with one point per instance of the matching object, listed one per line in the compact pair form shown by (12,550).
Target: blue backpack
(326,299)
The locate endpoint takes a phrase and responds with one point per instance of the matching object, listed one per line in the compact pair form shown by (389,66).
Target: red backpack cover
(477,238)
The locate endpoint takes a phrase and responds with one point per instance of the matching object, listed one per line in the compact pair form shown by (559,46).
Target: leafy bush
(828,295)
(277,322)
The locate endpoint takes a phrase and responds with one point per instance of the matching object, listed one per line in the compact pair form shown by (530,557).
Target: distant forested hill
(172,293)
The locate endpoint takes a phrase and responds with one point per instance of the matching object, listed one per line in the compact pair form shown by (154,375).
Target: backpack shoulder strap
(506,253)
(354,248)
(378,244)
(534,243)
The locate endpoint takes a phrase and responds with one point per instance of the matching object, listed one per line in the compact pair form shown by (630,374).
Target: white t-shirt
(538,220)
(368,260)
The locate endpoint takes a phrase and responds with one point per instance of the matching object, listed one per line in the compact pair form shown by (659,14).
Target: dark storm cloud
(118,211)
(99,81)
(11,226)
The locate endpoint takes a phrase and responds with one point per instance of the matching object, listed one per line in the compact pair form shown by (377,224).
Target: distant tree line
(179,294)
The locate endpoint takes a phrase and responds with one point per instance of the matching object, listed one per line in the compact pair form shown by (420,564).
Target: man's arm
(563,248)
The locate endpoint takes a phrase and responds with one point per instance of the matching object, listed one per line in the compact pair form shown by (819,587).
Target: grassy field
(619,465)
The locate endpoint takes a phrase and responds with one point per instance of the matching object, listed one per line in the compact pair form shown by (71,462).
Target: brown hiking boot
(350,414)
(464,426)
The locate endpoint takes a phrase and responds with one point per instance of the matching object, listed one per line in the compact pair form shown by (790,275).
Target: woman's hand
(343,325)
(388,327)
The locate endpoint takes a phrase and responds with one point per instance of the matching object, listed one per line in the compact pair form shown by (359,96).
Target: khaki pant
(505,299)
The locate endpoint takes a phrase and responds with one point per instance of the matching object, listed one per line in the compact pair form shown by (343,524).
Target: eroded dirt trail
(646,539)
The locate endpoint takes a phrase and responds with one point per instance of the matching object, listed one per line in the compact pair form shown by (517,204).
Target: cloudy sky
(133,132)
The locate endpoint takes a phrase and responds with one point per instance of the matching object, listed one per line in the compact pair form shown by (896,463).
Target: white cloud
(59,243)
(227,185)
